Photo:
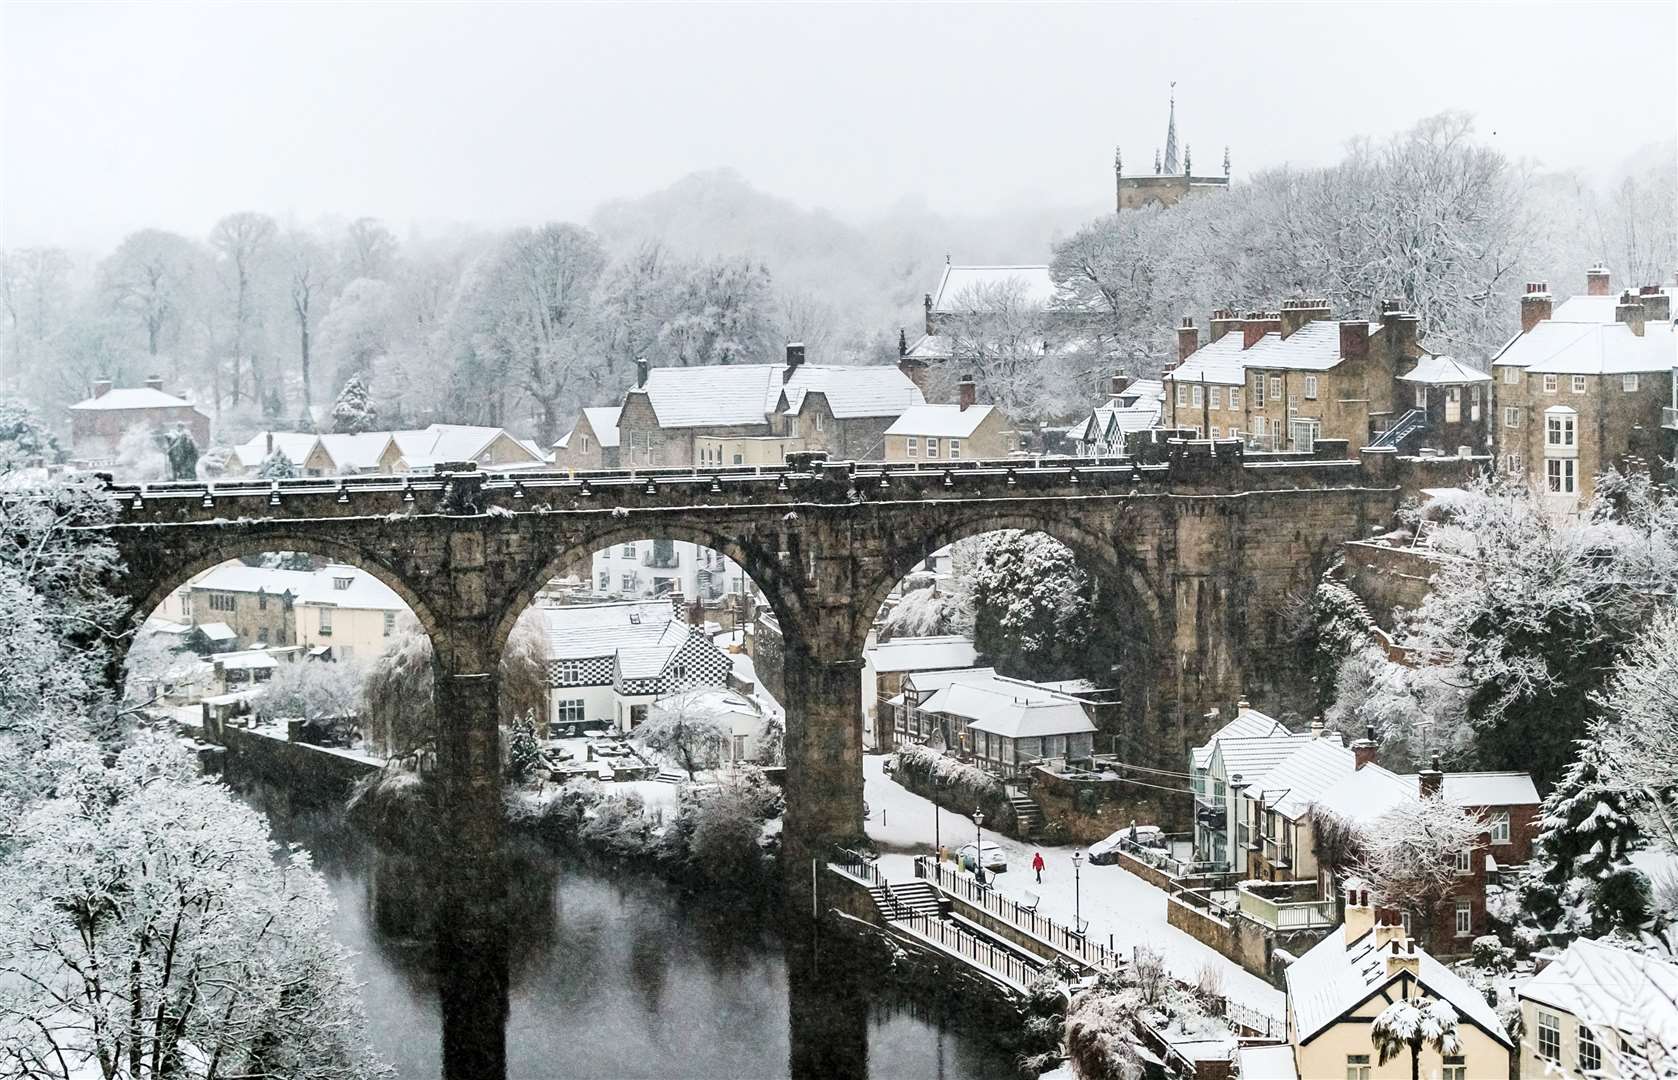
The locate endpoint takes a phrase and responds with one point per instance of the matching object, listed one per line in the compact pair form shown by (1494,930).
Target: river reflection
(576,971)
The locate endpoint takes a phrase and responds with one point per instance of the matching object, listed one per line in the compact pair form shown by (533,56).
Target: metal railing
(1161,859)
(857,865)
(1412,421)
(1005,964)
(1026,919)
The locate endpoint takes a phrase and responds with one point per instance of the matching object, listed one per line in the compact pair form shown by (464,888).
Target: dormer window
(342,584)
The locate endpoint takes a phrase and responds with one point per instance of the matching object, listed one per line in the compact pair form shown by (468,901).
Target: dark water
(595,972)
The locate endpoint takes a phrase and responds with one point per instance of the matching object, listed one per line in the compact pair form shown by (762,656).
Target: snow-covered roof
(646,661)
(1137,409)
(1582,348)
(364,591)
(583,631)
(604,420)
(294,446)
(742,394)
(1313,347)
(1251,758)
(217,631)
(924,654)
(711,701)
(1363,795)
(360,452)
(940,421)
(133,397)
(930,347)
(246,660)
(1012,708)
(928,681)
(956,287)
(1587,308)
(1631,992)
(1295,782)
(1334,977)
(1248,724)
(1444,370)
(1217,361)
(1489,789)
(237,577)
(1272,1062)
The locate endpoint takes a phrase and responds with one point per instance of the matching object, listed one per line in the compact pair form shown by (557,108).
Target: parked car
(1106,850)
(995,860)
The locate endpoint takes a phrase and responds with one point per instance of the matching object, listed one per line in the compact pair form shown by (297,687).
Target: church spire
(1171,135)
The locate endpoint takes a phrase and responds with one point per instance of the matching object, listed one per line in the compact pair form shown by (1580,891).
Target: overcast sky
(115,117)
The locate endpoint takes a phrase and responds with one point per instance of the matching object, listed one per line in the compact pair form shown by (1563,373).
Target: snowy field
(1117,904)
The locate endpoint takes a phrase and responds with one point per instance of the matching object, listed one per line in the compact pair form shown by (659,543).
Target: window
(1559,476)
(223,601)
(912,446)
(585,442)
(262,634)
(1512,376)
(1549,384)
(820,423)
(1628,383)
(1235,397)
(954,449)
(1455,1068)
(1465,919)
(568,671)
(1216,396)
(1199,396)
(342,584)
(1275,387)
(1182,396)
(569,711)
(605,581)
(261,600)
(1549,1036)
(1513,465)
(931,447)
(390,623)
(1421,397)
(1258,391)
(1590,1051)
(325,622)
(1464,862)
(1511,417)
(1500,827)
(1310,388)
(1214,431)
(1578,384)
(1404,918)
(1560,428)
(627,551)
(1357,1067)
(739,459)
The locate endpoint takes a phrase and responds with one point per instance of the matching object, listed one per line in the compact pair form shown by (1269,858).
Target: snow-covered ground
(1117,904)
(745,672)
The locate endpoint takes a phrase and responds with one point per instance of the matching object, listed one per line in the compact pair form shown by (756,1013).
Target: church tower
(1170,183)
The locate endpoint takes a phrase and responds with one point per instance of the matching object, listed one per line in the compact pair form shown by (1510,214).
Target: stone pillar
(469,758)
(472,939)
(827,1017)
(824,764)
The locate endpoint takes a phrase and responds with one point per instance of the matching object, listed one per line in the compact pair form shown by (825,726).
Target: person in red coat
(1037,865)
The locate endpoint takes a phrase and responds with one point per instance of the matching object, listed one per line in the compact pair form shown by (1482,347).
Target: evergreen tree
(354,411)
(1586,828)
(276,466)
(524,752)
(24,438)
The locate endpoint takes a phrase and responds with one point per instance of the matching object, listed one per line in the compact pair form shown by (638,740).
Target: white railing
(1025,919)
(1669,417)
(1003,963)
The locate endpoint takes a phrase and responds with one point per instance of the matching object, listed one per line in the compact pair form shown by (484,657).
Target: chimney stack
(1535,305)
(928,302)
(1430,781)
(1188,339)
(1596,281)
(640,372)
(1363,751)
(101,387)
(1400,954)
(268,443)
(1317,728)
(1296,313)
(967,394)
(1223,321)
(1402,328)
(154,382)
(1354,340)
(1360,917)
(1118,384)
(902,343)
(1657,306)
(1630,311)
(1256,325)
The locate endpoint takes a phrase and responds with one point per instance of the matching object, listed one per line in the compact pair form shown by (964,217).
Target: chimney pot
(154,382)
(1297,312)
(1630,311)
(640,371)
(1118,384)
(1223,321)
(1596,281)
(1363,751)
(967,394)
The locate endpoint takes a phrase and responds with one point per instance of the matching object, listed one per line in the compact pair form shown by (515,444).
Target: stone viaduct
(1196,555)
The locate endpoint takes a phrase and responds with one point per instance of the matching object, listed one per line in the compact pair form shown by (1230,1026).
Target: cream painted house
(1593,1006)
(1344,982)
(349,611)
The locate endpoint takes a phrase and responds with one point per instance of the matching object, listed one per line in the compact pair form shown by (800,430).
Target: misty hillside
(872,272)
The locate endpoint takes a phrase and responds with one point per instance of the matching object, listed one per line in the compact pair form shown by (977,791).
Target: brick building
(1585,387)
(98,424)
(756,414)
(1286,379)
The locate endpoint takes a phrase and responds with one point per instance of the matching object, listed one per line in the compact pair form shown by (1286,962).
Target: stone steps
(906,898)
(1027,813)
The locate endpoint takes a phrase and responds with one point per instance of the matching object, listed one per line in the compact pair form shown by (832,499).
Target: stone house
(592,442)
(98,423)
(887,668)
(756,414)
(1350,977)
(1004,725)
(1585,387)
(256,602)
(1590,1002)
(963,431)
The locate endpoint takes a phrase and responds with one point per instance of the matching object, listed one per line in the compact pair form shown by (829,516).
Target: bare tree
(1410,856)
(370,250)
(35,290)
(241,240)
(308,275)
(149,277)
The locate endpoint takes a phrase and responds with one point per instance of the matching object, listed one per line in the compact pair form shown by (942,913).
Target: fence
(1009,966)
(858,865)
(1059,936)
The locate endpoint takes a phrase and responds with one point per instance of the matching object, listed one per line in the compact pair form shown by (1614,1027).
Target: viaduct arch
(1202,547)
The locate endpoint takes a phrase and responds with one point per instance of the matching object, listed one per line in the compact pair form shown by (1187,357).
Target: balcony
(1669,418)
(1286,905)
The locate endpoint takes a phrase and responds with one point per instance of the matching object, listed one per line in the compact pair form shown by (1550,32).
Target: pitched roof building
(607,663)
(418,450)
(1592,1005)
(1131,405)
(98,423)
(1171,182)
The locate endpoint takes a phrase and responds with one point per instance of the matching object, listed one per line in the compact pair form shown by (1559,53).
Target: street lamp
(979,846)
(1077,903)
(937,841)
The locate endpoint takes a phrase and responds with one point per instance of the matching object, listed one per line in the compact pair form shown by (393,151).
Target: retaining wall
(311,773)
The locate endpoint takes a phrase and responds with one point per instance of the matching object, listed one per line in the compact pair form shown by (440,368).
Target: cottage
(99,423)
(608,663)
(1009,725)
(418,450)
(965,430)
(592,442)
(1596,1006)
(886,670)
(1132,405)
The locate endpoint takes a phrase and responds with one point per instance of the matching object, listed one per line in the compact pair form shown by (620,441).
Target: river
(609,974)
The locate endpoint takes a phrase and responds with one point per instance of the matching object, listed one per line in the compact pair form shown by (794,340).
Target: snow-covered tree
(369,250)
(1033,610)
(1415,1024)
(1409,856)
(354,411)
(360,330)
(150,929)
(325,696)
(276,466)
(309,282)
(1637,736)
(524,689)
(1101,1035)
(25,440)
(685,730)
(928,612)
(399,702)
(524,751)
(1586,828)
(141,456)
(243,243)
(719,314)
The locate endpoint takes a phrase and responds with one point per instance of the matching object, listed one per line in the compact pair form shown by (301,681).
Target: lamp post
(937,840)
(979,846)
(1077,899)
